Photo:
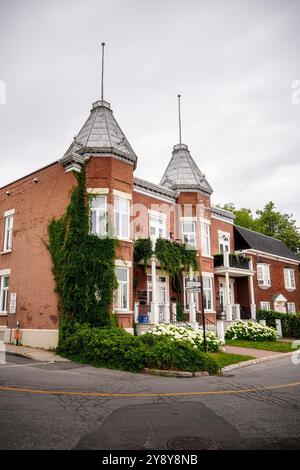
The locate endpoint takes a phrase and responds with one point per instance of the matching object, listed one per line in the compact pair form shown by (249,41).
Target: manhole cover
(192,443)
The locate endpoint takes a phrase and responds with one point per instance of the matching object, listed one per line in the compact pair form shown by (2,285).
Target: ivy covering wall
(83,264)
(173,257)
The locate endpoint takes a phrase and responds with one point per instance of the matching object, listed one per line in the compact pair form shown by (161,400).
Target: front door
(223,295)
(161,296)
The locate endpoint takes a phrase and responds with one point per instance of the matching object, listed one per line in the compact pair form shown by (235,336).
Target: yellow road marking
(157,394)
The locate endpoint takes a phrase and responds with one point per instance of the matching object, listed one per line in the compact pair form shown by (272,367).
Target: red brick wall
(277,282)
(31,278)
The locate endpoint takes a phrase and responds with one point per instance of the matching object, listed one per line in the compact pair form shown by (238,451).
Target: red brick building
(178,208)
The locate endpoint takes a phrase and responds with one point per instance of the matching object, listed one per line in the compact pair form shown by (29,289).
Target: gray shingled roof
(102,134)
(182,173)
(245,239)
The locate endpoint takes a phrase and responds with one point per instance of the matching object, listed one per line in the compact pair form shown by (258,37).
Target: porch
(228,270)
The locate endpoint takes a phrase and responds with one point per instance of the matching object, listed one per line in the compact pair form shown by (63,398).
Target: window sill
(3,314)
(128,240)
(290,289)
(5,252)
(123,311)
(263,287)
(207,256)
(209,311)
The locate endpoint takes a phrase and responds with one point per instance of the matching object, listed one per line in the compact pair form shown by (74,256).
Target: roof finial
(179,118)
(102,70)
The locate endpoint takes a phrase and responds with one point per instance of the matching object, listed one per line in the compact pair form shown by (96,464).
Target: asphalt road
(69,406)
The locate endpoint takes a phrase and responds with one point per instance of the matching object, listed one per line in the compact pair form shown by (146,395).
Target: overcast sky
(233,62)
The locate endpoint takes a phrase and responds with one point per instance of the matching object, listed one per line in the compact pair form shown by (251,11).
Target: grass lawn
(278,346)
(225,359)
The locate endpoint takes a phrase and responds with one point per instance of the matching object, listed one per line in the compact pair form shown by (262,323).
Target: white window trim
(10,212)
(158,215)
(127,309)
(288,286)
(8,232)
(121,263)
(226,234)
(96,209)
(116,192)
(119,194)
(265,302)
(202,230)
(98,191)
(266,279)
(2,290)
(209,310)
(189,220)
(291,311)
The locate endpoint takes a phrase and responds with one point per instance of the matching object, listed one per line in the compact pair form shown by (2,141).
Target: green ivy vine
(83,265)
(173,257)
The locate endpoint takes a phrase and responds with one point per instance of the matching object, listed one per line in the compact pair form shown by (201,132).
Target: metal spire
(179,118)
(102,70)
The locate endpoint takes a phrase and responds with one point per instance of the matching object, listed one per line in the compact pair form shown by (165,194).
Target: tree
(270,222)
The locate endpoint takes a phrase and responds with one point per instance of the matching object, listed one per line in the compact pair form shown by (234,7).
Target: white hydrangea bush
(251,331)
(179,333)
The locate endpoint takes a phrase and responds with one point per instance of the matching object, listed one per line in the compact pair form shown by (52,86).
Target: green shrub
(290,322)
(251,331)
(116,349)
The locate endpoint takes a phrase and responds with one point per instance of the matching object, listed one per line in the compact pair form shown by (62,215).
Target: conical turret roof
(182,173)
(101,134)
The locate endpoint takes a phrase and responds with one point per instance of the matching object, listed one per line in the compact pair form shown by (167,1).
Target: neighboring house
(276,269)
(178,208)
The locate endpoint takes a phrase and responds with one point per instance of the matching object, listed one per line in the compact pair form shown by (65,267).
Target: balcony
(235,264)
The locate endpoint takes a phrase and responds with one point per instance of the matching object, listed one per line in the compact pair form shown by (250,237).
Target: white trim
(222,219)
(207,274)
(188,219)
(160,198)
(5,272)
(116,192)
(10,212)
(157,214)
(121,263)
(97,190)
(204,220)
(268,255)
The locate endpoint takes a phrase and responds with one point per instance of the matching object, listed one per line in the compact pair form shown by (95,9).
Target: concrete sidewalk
(34,353)
(257,353)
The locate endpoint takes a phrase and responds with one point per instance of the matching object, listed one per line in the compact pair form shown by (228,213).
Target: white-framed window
(157,226)
(189,232)
(4,286)
(289,278)
(224,242)
(265,306)
(207,293)
(98,208)
(121,294)
(263,274)
(8,231)
(291,307)
(205,239)
(187,294)
(122,217)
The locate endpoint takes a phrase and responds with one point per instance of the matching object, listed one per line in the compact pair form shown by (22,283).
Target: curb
(175,373)
(13,353)
(256,361)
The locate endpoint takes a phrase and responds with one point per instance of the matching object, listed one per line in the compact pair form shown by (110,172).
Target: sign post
(12,311)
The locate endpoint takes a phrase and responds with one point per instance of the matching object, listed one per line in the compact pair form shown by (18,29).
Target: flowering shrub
(251,331)
(181,334)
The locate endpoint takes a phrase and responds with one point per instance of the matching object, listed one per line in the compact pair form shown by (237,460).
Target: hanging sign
(194,286)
